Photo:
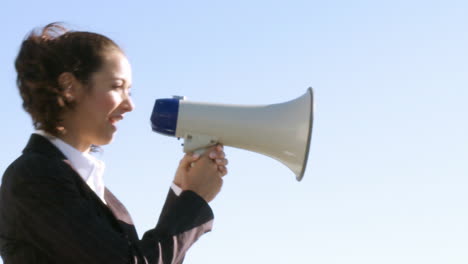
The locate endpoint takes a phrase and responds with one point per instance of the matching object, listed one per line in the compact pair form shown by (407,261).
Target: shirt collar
(88,167)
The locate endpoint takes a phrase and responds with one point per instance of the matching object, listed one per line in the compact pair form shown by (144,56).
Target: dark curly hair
(44,55)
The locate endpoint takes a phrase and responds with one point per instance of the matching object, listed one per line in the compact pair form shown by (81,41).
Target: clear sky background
(387,174)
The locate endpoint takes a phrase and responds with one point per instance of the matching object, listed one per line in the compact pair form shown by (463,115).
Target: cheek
(107,102)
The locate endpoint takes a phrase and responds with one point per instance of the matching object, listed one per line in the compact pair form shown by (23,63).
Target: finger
(210,151)
(220,155)
(206,161)
(215,154)
(221,162)
(188,159)
(222,170)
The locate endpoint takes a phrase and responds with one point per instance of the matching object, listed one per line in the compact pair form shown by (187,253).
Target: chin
(105,140)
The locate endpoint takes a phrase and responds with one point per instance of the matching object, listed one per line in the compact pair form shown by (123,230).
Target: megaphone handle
(200,151)
(198,143)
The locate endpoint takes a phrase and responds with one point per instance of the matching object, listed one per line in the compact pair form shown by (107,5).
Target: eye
(122,89)
(117,83)
(129,90)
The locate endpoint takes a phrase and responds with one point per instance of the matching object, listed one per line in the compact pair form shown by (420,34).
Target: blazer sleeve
(54,217)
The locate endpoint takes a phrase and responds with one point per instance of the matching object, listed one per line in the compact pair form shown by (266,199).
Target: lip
(114,119)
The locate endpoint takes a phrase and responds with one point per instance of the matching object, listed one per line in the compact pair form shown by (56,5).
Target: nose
(128,104)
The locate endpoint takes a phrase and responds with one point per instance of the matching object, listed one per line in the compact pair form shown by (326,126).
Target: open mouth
(114,119)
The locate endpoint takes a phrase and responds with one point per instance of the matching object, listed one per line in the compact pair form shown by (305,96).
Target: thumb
(188,158)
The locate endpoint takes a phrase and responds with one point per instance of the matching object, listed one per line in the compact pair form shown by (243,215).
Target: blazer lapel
(120,212)
(115,211)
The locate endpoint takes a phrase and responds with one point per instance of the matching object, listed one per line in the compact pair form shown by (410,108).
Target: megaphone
(281,131)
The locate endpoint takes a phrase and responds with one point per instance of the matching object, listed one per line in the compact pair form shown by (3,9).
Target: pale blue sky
(387,173)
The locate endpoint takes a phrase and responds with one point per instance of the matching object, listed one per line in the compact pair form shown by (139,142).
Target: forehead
(115,66)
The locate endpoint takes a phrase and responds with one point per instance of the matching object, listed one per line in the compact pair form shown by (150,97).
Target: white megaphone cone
(281,131)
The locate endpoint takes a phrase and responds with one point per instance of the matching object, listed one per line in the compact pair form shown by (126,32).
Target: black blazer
(49,215)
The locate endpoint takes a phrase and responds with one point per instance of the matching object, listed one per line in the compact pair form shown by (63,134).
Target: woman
(54,207)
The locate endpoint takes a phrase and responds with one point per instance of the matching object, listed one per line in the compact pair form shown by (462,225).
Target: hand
(202,174)
(219,157)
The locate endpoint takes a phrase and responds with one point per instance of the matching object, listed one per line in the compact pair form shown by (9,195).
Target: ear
(69,85)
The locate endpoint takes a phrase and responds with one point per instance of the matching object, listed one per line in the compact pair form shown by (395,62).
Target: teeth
(115,119)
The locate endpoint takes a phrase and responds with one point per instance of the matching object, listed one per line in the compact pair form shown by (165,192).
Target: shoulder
(34,167)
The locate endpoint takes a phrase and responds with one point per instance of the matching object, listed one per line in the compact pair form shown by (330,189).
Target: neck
(75,141)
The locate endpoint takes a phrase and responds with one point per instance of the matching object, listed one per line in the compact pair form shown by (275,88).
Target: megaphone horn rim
(309,136)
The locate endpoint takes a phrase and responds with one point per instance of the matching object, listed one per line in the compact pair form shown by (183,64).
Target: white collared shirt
(88,167)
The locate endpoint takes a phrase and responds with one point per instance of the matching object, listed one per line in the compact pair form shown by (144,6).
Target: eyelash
(120,87)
